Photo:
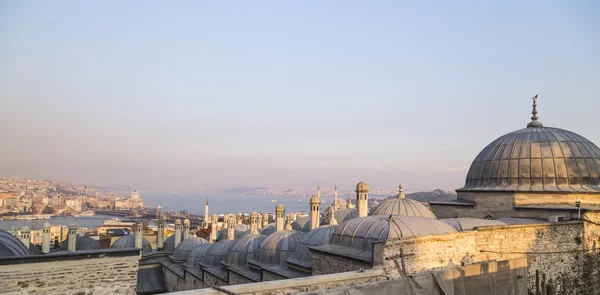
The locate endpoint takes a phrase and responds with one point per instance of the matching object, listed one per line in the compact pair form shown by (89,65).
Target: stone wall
(71,274)
(552,248)
(324,263)
(269,276)
(173,282)
(236,279)
(212,280)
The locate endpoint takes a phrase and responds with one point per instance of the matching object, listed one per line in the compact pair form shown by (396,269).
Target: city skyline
(284,94)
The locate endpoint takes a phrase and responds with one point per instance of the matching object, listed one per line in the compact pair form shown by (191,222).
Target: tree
(48,210)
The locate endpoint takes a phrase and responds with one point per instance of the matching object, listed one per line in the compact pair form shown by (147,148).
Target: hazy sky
(179,94)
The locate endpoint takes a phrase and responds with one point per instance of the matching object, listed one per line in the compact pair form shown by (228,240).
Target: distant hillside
(436,195)
(243,189)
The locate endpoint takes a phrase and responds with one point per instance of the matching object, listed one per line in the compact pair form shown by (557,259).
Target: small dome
(464,224)
(81,243)
(240,230)
(197,254)
(186,246)
(267,230)
(216,253)
(277,247)
(11,246)
(341,215)
(302,224)
(242,250)
(362,187)
(317,237)
(401,206)
(128,241)
(169,244)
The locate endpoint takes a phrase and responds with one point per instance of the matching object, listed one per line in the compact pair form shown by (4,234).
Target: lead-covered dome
(535,159)
(242,250)
(81,243)
(216,253)
(186,246)
(197,254)
(128,241)
(278,246)
(11,246)
(400,205)
(302,257)
(239,231)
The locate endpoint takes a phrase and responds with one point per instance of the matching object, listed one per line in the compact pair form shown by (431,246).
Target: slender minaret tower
(254,223)
(160,234)
(177,232)
(186,229)
(315,209)
(362,199)
(46,238)
(332,220)
(279,217)
(231,228)
(336,203)
(214,220)
(139,230)
(206,216)
(258,221)
(26,236)
(72,238)
(265,220)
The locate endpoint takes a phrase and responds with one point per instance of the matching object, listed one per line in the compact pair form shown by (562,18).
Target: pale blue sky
(158,94)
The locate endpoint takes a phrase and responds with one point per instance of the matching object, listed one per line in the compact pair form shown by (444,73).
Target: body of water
(91,222)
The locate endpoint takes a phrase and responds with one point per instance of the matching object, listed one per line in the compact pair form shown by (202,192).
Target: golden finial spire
(400,194)
(534,119)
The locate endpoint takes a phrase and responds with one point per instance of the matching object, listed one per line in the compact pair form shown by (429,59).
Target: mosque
(526,220)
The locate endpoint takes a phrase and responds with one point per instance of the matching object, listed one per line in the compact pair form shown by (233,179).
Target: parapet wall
(86,272)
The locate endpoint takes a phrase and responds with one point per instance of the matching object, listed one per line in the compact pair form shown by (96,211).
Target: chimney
(254,223)
(213,227)
(265,220)
(315,217)
(177,232)
(72,243)
(231,228)
(362,198)
(138,234)
(26,236)
(160,234)
(46,238)
(186,229)
(279,217)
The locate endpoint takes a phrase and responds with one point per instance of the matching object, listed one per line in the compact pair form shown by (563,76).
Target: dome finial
(534,122)
(400,193)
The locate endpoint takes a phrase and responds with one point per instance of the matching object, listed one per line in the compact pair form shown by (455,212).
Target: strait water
(91,222)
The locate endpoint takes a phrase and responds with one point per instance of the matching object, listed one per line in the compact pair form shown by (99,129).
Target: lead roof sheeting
(216,253)
(242,250)
(197,254)
(186,246)
(11,246)
(277,247)
(150,281)
(464,224)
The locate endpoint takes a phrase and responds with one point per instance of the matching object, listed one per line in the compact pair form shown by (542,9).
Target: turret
(214,220)
(160,234)
(265,220)
(362,199)
(26,236)
(254,223)
(258,221)
(72,238)
(231,228)
(315,209)
(177,232)
(186,229)
(46,238)
(279,217)
(138,234)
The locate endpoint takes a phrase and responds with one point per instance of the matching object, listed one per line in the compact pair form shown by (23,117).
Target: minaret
(231,228)
(265,220)
(138,234)
(362,198)
(258,221)
(279,217)
(26,236)
(46,238)
(254,223)
(72,238)
(332,220)
(206,216)
(160,234)
(186,229)
(315,205)
(336,203)
(177,232)
(214,220)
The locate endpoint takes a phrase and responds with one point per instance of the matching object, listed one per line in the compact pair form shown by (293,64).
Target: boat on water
(33,217)
(89,213)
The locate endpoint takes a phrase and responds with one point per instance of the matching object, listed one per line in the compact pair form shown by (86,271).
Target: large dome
(538,159)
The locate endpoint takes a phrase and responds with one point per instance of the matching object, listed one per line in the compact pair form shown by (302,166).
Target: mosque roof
(316,237)
(355,237)
(536,159)
(216,253)
(341,215)
(186,246)
(302,224)
(400,205)
(464,223)
(267,230)
(513,220)
(197,254)
(240,230)
(277,247)
(169,244)
(11,246)
(128,241)
(81,243)
(242,250)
